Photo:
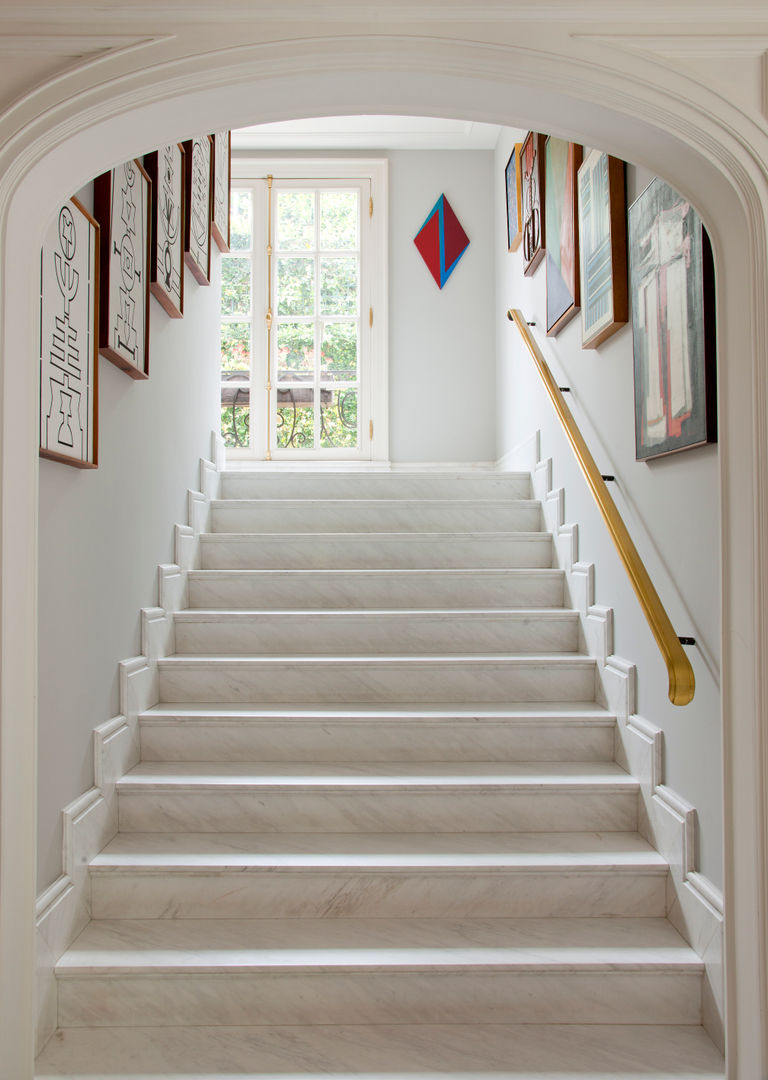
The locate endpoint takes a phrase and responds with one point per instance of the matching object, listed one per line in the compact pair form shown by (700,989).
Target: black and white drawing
(222,142)
(197,189)
(122,204)
(68,336)
(166,171)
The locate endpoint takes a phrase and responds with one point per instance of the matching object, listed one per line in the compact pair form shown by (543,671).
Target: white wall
(670,506)
(102,534)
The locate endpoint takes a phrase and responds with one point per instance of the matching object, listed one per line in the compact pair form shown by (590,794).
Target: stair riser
(494,809)
(374,553)
(376,634)
(606,997)
(345,894)
(375,740)
(352,516)
(386,590)
(346,681)
(375,486)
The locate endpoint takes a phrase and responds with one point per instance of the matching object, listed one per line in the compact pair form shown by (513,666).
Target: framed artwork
(165,168)
(603,248)
(563,160)
(69,337)
(198,167)
(533,181)
(673,324)
(222,181)
(441,241)
(122,202)
(514,188)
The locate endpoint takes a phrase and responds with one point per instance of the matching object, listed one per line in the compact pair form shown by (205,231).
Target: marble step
(386,1052)
(386,679)
(368,798)
(178,731)
(486,875)
(364,551)
(374,485)
(338,633)
(377,589)
(283,515)
(330,971)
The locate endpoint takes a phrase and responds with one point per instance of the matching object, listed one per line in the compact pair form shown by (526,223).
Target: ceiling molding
(675,46)
(368,133)
(14,45)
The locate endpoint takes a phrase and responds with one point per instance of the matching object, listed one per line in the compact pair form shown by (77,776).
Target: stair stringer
(667,821)
(90,821)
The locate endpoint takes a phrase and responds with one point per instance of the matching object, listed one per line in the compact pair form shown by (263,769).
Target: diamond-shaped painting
(441,241)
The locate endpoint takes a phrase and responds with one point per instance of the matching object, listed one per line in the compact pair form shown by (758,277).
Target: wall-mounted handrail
(682,682)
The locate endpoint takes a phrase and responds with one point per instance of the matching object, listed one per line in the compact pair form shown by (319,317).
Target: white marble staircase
(377,828)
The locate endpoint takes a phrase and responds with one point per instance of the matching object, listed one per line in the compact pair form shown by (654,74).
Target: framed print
(166,266)
(673,324)
(122,201)
(563,160)
(603,248)
(69,336)
(198,166)
(222,180)
(514,188)
(532,175)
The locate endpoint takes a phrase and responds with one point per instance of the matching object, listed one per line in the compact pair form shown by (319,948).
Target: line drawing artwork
(199,209)
(65,378)
(126,337)
(169,225)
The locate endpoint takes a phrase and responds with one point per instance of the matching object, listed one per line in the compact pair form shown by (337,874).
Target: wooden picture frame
(198,174)
(513,187)
(221,186)
(533,195)
(122,206)
(603,248)
(562,162)
(673,324)
(165,168)
(69,339)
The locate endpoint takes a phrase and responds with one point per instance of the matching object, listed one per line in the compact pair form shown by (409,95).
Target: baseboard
(90,822)
(694,904)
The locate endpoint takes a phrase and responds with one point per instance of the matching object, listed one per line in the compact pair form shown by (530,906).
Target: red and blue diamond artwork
(441,241)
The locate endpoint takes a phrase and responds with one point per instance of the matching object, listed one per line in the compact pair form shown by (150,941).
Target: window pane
(296,286)
(235,424)
(338,356)
(235,286)
(240,217)
(338,418)
(338,286)
(338,220)
(295,220)
(235,346)
(296,418)
(295,352)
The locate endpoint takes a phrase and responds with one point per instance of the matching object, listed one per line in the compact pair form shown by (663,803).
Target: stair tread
(379,572)
(416,536)
(387,1052)
(243,945)
(534,712)
(505,659)
(271,502)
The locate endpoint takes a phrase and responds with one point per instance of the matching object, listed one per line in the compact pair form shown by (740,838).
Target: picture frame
(69,339)
(221,186)
(513,187)
(603,248)
(562,162)
(122,205)
(673,324)
(165,168)
(198,174)
(533,195)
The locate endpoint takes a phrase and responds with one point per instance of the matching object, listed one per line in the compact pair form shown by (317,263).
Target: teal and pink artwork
(441,241)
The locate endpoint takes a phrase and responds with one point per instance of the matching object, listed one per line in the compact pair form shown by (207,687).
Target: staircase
(377,828)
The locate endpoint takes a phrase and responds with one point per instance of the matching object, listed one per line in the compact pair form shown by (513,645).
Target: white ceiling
(368,133)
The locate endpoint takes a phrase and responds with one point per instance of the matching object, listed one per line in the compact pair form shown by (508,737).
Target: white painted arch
(100,113)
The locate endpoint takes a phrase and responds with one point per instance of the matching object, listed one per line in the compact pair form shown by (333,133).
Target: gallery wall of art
(669,503)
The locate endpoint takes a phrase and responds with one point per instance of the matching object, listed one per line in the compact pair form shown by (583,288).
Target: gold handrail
(681,678)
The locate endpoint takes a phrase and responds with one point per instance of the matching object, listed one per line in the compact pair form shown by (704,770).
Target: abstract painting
(166,271)
(533,184)
(441,241)
(69,329)
(513,186)
(122,202)
(562,163)
(222,180)
(198,165)
(603,248)
(673,324)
